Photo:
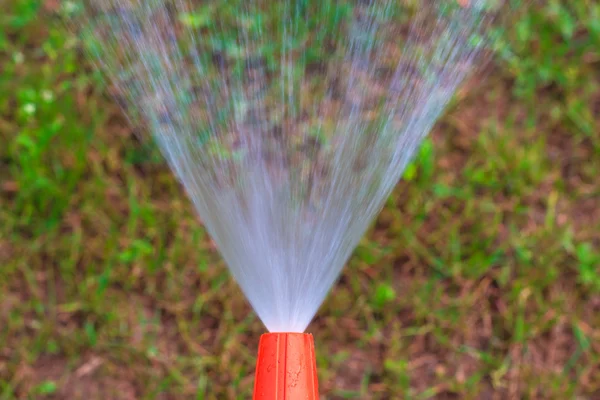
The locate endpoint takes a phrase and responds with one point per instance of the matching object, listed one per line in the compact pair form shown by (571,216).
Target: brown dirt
(91,379)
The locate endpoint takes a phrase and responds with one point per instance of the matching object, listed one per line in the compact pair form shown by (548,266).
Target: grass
(479,280)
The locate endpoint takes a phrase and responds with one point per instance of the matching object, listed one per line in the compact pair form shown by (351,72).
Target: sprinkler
(288,123)
(286,367)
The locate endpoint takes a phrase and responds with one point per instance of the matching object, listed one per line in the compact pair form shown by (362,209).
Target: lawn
(479,280)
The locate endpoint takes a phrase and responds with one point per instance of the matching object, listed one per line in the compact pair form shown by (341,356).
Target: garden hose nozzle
(286,368)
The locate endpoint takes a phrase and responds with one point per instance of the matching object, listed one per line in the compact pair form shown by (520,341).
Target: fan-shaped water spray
(287,122)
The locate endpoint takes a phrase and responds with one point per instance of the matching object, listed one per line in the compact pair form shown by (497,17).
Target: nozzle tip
(286,367)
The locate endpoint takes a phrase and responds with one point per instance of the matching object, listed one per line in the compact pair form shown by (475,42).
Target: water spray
(288,123)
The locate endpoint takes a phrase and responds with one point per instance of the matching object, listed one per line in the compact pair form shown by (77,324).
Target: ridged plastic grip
(286,368)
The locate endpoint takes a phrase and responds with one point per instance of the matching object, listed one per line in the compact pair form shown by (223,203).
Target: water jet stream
(287,122)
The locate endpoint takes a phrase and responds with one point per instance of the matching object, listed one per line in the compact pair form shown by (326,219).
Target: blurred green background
(480,279)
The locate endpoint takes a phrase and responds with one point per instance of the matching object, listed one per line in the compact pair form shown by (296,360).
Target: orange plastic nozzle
(286,368)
